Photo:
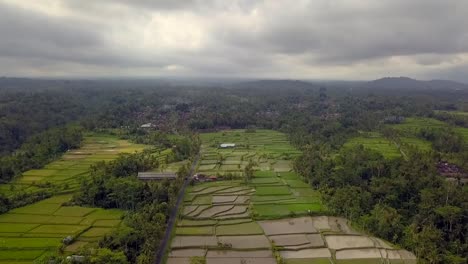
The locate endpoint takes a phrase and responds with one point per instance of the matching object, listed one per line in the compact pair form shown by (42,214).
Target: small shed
(227,145)
(199,177)
(156,176)
(147,125)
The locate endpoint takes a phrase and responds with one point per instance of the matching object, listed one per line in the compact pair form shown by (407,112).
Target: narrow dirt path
(172,218)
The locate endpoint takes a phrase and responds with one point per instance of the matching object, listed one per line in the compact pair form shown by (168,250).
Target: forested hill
(398,83)
(372,152)
(30,106)
(272,84)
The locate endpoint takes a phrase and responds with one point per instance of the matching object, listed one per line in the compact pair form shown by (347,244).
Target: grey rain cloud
(343,39)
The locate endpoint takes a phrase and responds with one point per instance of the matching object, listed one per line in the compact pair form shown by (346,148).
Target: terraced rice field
(64,174)
(376,142)
(414,124)
(28,232)
(274,217)
(269,149)
(411,126)
(31,231)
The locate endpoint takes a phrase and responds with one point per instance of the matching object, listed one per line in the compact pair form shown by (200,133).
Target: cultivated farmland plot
(28,232)
(274,216)
(64,174)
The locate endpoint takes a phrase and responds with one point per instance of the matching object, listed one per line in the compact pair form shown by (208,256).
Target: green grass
(271,198)
(187,222)
(74,211)
(421,144)
(106,223)
(461,113)
(264,174)
(105,214)
(377,143)
(23,218)
(288,175)
(296,184)
(96,232)
(234,221)
(67,171)
(309,261)
(16,243)
(265,180)
(463,131)
(41,208)
(199,230)
(414,124)
(258,147)
(285,210)
(16,228)
(41,230)
(272,190)
(58,229)
(250,228)
(20,255)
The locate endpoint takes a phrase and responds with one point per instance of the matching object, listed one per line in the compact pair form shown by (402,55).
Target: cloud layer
(316,39)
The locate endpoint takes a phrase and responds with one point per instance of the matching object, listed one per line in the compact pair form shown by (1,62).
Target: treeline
(114,185)
(402,201)
(444,140)
(183,146)
(39,150)
(25,113)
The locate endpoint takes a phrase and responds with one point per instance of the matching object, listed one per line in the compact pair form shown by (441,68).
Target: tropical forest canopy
(393,160)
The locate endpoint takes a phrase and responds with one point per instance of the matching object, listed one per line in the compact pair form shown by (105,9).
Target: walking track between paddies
(275,217)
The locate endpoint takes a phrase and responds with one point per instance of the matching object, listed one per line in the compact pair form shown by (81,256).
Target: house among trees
(147,125)
(227,145)
(394,119)
(452,172)
(156,176)
(199,177)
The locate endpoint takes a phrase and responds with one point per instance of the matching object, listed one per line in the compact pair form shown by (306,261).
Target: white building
(227,145)
(147,125)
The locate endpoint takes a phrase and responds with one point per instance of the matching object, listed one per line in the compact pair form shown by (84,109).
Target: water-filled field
(275,216)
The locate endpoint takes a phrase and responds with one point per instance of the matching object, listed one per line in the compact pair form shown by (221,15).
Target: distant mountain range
(383,84)
(389,83)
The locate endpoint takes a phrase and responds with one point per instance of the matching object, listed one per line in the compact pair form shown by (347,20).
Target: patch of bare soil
(245,242)
(307,253)
(187,253)
(347,241)
(301,225)
(364,253)
(193,241)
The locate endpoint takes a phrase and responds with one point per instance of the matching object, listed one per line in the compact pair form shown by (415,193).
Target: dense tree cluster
(114,185)
(39,150)
(403,200)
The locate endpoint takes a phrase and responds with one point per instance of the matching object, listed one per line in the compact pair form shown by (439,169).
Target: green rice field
(270,150)
(411,126)
(28,232)
(64,174)
(31,231)
(239,221)
(376,142)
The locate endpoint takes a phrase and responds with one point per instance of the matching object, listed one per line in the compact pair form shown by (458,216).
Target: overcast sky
(317,39)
